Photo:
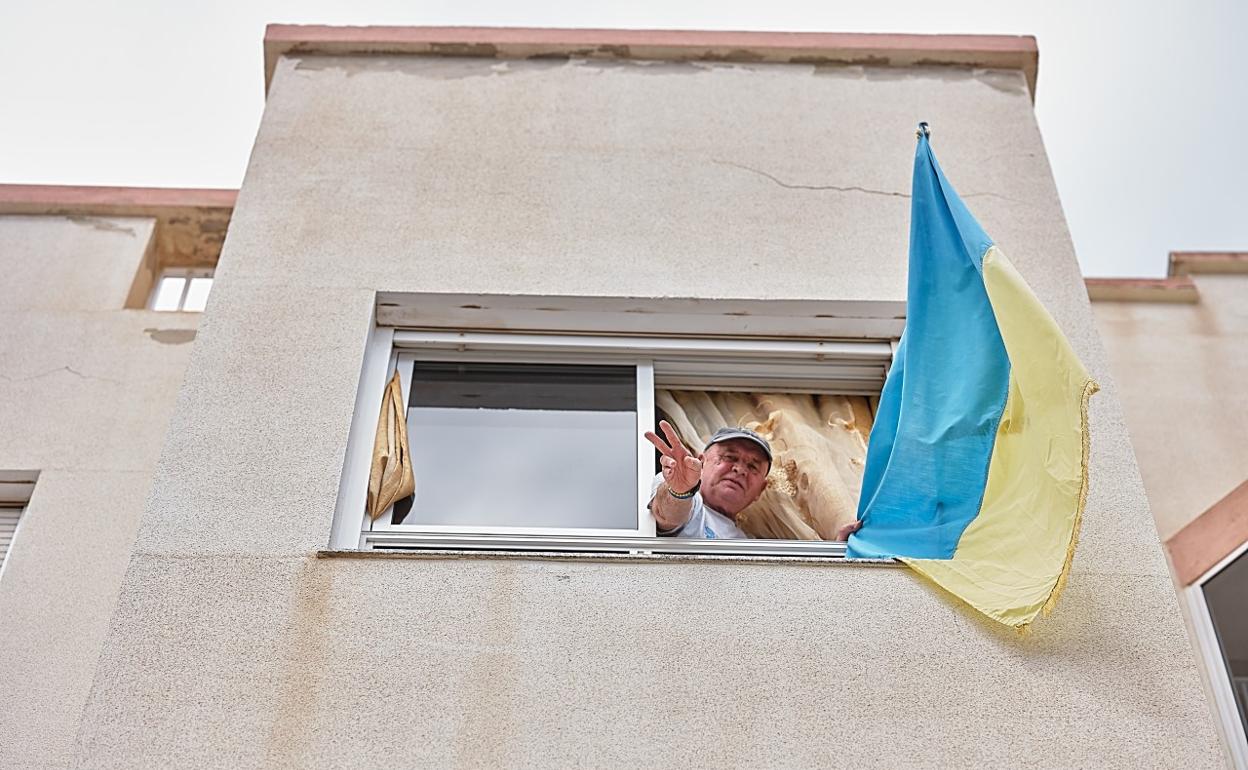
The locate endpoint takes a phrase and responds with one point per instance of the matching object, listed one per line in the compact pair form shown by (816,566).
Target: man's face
(734,473)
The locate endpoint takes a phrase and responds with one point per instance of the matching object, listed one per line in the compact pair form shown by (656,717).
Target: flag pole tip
(922,131)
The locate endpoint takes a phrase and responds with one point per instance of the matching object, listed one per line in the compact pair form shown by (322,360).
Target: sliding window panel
(503,445)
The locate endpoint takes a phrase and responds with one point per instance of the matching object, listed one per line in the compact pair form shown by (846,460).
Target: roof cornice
(994,51)
(1189,262)
(1177,286)
(107,201)
(190,223)
(1177,289)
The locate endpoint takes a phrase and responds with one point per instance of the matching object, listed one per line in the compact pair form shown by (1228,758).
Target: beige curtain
(820,447)
(390,477)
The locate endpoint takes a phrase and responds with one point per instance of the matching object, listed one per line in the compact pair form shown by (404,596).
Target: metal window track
(595,544)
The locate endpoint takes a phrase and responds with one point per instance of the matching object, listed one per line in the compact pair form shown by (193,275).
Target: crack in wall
(69,369)
(831,187)
(847,188)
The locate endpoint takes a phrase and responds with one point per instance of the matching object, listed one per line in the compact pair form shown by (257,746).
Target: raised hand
(681,470)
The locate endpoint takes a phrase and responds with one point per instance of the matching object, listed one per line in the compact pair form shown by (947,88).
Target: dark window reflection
(1227,596)
(558,387)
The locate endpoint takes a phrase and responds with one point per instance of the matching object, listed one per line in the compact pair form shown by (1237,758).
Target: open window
(524,441)
(1215,608)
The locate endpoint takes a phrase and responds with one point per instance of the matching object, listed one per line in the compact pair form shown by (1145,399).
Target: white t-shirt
(704,521)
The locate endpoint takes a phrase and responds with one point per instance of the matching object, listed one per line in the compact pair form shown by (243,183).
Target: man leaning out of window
(700,496)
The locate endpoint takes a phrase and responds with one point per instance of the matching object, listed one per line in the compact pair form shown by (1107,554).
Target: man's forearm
(670,512)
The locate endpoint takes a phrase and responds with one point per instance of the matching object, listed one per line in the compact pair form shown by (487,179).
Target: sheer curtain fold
(820,447)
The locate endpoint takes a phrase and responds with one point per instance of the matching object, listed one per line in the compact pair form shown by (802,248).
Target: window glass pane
(1224,593)
(197,295)
(168,294)
(523,445)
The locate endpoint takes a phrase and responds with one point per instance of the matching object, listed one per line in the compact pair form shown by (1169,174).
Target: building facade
(644,199)
(89,381)
(1178,346)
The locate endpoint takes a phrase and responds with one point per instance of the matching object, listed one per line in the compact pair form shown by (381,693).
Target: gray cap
(728,434)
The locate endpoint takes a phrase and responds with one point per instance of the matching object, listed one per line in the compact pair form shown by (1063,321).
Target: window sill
(658,550)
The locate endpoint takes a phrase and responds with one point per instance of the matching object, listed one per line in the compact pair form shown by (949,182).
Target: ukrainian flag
(976,471)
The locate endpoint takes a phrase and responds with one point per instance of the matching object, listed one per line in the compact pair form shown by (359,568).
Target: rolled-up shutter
(8,527)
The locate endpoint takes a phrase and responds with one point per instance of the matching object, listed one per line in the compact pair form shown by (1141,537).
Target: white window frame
(1213,662)
(848,367)
(189,273)
(403,359)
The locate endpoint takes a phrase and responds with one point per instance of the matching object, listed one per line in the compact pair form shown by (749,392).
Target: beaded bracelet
(685,495)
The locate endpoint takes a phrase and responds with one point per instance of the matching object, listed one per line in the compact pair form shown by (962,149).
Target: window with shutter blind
(8,528)
(554,421)
(15,490)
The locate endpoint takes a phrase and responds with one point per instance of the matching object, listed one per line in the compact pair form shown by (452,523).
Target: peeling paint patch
(433,67)
(1005,81)
(464,49)
(854,67)
(735,55)
(538,63)
(644,67)
(103,225)
(838,70)
(621,51)
(711,66)
(460,67)
(171,336)
(882,73)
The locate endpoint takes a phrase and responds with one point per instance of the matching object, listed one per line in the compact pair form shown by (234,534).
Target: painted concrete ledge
(1177,286)
(846,48)
(601,557)
(190,223)
(1180,289)
(1189,262)
(1210,537)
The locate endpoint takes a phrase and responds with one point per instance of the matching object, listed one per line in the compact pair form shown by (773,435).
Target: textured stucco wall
(235,645)
(86,390)
(1183,369)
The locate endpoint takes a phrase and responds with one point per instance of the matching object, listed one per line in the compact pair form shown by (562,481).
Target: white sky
(1143,105)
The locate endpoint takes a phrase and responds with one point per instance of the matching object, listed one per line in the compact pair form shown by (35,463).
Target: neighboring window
(15,491)
(184,290)
(1224,595)
(533,441)
(9,516)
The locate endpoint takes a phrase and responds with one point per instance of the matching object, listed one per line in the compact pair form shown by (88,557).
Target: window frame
(188,274)
(688,362)
(402,360)
(1213,661)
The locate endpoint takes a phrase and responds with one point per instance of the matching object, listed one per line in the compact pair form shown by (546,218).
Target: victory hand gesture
(681,470)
